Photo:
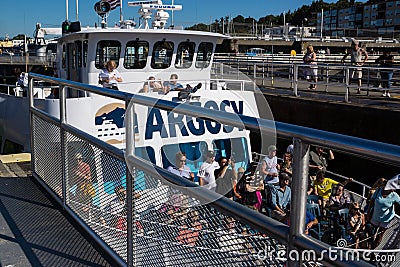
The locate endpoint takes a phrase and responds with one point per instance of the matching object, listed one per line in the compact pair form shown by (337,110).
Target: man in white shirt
(206,172)
(270,167)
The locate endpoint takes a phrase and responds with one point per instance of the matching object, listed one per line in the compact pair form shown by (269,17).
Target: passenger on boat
(109,77)
(180,167)
(323,186)
(281,196)
(116,206)
(172,84)
(311,72)
(206,172)
(270,167)
(356,54)
(318,161)
(384,211)
(176,199)
(254,189)
(380,183)
(356,222)
(286,165)
(84,192)
(339,199)
(151,86)
(226,178)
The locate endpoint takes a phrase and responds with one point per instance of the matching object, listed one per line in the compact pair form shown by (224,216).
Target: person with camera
(226,178)
(109,77)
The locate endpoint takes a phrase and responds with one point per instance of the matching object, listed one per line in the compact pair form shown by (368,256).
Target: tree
(19,37)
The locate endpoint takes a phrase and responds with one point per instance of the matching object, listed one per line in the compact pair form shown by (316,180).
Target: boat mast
(66,10)
(77,10)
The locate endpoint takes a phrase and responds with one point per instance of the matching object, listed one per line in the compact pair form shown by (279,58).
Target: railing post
(255,72)
(31,105)
(347,77)
(130,151)
(263,70)
(299,195)
(326,78)
(291,74)
(295,78)
(63,138)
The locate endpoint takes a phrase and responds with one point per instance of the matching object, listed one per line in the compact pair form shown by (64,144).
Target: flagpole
(172,15)
(66,9)
(77,10)
(121,18)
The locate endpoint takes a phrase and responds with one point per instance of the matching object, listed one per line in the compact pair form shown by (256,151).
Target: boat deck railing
(48,60)
(169,220)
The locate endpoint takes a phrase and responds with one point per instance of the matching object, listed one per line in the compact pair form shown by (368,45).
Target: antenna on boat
(160,18)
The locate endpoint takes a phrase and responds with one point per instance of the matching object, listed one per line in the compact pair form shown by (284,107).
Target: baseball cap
(272,148)
(78,156)
(210,154)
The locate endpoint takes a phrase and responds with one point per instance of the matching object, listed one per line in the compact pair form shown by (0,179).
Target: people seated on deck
(356,224)
(172,84)
(270,167)
(109,77)
(318,161)
(254,187)
(82,181)
(323,186)
(151,86)
(339,198)
(280,198)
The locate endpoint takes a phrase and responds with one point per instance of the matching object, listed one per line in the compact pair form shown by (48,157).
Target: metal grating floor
(34,232)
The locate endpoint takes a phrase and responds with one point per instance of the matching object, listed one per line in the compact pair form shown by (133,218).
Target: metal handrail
(302,138)
(262,69)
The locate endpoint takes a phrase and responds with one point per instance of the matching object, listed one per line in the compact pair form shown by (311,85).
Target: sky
(20,17)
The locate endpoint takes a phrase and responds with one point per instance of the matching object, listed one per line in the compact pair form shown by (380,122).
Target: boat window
(136,54)
(64,56)
(78,45)
(233,148)
(107,50)
(194,152)
(85,53)
(184,56)
(204,55)
(162,54)
(146,153)
(72,56)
